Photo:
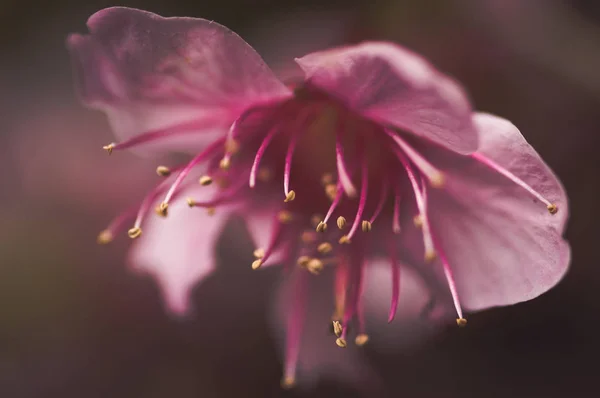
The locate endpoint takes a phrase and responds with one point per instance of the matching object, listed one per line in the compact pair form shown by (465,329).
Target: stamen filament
(396,216)
(295,324)
(421,205)
(382,199)
(116,225)
(260,153)
(395,268)
(186,170)
(552,208)
(295,135)
(435,177)
(343,175)
(334,204)
(363,198)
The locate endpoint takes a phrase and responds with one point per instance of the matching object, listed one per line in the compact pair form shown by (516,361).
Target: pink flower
(374,157)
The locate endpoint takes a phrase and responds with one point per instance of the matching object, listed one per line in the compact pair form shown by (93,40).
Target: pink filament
(422,164)
(342,171)
(288,162)
(396,215)
(295,324)
(119,222)
(355,282)
(260,153)
(276,238)
(334,204)
(363,197)
(395,267)
(427,239)
(164,133)
(382,199)
(186,170)
(496,167)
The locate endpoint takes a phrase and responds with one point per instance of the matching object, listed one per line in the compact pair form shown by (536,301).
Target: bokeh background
(75,322)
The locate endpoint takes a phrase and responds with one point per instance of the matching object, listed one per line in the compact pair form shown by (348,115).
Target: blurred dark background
(74,322)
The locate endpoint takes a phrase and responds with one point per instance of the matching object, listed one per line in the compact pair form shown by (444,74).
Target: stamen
(162,209)
(435,177)
(163,171)
(324,248)
(430,253)
(335,203)
(308,237)
(395,281)
(337,328)
(552,208)
(259,253)
(205,181)
(116,225)
(283,217)
(303,261)
(343,175)
(295,134)
(361,339)
(341,222)
(264,174)
(186,170)
(382,200)
(331,191)
(366,226)
(314,266)
(396,216)
(326,179)
(190,127)
(341,277)
(363,197)
(341,342)
(418,221)
(259,154)
(321,227)
(295,324)
(134,232)
(460,321)
(291,195)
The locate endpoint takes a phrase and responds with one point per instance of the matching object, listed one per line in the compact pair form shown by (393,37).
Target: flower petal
(394,86)
(152,73)
(179,250)
(502,243)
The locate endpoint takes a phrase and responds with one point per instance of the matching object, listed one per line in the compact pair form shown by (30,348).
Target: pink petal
(179,250)
(502,243)
(394,86)
(150,73)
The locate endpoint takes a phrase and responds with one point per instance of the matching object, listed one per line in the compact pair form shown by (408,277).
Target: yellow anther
(163,209)
(418,221)
(308,237)
(430,255)
(290,196)
(321,227)
(205,181)
(284,216)
(211,211)
(341,342)
(326,179)
(552,208)
(163,171)
(331,191)
(337,328)
(259,253)
(256,264)
(303,261)
(437,180)
(109,148)
(104,237)
(341,222)
(288,382)
(314,266)
(361,339)
(222,182)
(366,226)
(191,202)
(232,146)
(344,239)
(461,322)
(264,174)
(225,163)
(324,248)
(134,232)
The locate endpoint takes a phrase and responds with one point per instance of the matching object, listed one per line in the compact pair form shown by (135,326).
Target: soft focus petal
(319,357)
(395,86)
(502,243)
(421,303)
(151,73)
(179,250)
